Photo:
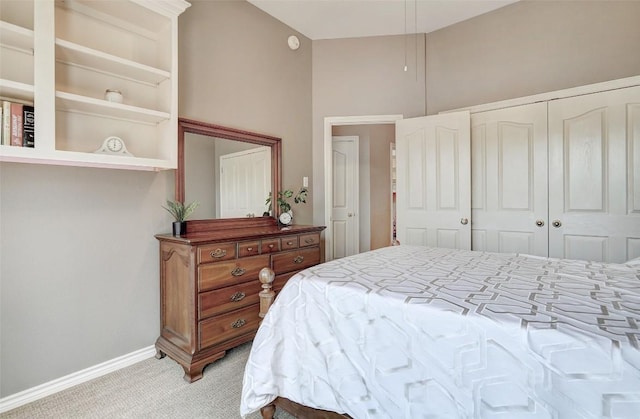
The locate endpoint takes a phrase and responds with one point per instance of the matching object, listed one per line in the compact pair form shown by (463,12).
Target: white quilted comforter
(415,332)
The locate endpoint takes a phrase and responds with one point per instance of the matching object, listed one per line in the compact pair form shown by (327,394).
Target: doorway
(373,167)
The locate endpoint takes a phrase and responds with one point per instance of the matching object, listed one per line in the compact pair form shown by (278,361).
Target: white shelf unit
(62,55)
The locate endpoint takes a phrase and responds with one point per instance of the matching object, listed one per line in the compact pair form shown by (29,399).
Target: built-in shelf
(74,158)
(19,91)
(75,103)
(75,54)
(63,66)
(13,36)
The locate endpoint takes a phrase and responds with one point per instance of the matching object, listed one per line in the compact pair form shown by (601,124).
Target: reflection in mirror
(230,179)
(230,172)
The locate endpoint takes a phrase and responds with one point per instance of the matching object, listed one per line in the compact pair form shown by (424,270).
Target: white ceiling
(329,19)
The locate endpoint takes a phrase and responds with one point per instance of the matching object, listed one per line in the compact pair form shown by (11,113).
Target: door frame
(329,123)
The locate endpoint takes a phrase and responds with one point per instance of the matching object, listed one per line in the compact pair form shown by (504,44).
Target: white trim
(329,122)
(558,94)
(35,393)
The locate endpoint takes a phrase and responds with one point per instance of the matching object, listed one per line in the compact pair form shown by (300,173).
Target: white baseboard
(62,383)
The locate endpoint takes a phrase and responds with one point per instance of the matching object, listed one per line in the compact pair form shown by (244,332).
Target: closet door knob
(539,223)
(556,223)
(464,221)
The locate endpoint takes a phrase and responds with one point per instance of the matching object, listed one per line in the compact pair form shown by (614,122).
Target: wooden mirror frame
(211,130)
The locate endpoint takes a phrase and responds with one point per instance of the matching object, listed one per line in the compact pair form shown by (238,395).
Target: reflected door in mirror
(245,182)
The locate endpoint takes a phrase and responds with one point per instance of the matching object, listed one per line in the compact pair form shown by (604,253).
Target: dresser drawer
(270,246)
(227,326)
(224,274)
(216,252)
(312,239)
(289,242)
(248,249)
(296,260)
(227,299)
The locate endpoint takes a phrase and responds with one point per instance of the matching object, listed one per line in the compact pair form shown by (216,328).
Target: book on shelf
(6,122)
(16,124)
(28,129)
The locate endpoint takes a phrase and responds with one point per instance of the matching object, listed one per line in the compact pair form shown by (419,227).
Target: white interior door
(509,198)
(594,176)
(245,182)
(344,207)
(433,186)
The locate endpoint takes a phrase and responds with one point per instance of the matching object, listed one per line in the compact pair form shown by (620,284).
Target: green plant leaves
(283,197)
(179,211)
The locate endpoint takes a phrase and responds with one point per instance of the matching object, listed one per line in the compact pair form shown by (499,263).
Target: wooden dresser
(209,284)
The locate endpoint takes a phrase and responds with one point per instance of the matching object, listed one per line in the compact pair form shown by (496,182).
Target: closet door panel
(509,180)
(433,180)
(592,176)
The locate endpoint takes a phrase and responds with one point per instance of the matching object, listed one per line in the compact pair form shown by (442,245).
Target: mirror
(229,171)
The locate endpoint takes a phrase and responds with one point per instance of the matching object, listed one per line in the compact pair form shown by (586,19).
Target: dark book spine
(28,120)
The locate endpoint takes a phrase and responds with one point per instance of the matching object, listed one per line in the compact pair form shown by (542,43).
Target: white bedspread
(415,332)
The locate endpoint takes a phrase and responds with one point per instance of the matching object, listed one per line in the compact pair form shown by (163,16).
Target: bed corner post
(268,411)
(266,277)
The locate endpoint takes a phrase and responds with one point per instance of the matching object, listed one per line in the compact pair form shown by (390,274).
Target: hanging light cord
(405,35)
(415,26)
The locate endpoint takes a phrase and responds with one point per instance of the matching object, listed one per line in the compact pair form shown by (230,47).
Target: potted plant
(285,206)
(180,213)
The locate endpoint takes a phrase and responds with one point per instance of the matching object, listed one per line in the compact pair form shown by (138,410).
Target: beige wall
(362,76)
(78,268)
(531,47)
(236,70)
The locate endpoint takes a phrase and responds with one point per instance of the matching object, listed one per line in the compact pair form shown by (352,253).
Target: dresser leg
(160,354)
(192,374)
(268,411)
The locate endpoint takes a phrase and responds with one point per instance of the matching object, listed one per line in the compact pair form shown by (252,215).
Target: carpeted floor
(151,389)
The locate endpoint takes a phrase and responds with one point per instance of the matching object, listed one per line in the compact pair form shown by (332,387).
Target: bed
(419,332)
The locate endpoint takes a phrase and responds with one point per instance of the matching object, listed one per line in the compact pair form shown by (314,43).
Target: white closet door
(509,180)
(433,181)
(594,176)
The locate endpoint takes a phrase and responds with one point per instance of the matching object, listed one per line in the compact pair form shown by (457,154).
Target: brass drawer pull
(289,243)
(271,246)
(238,323)
(218,253)
(298,259)
(308,241)
(238,296)
(238,271)
(249,249)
